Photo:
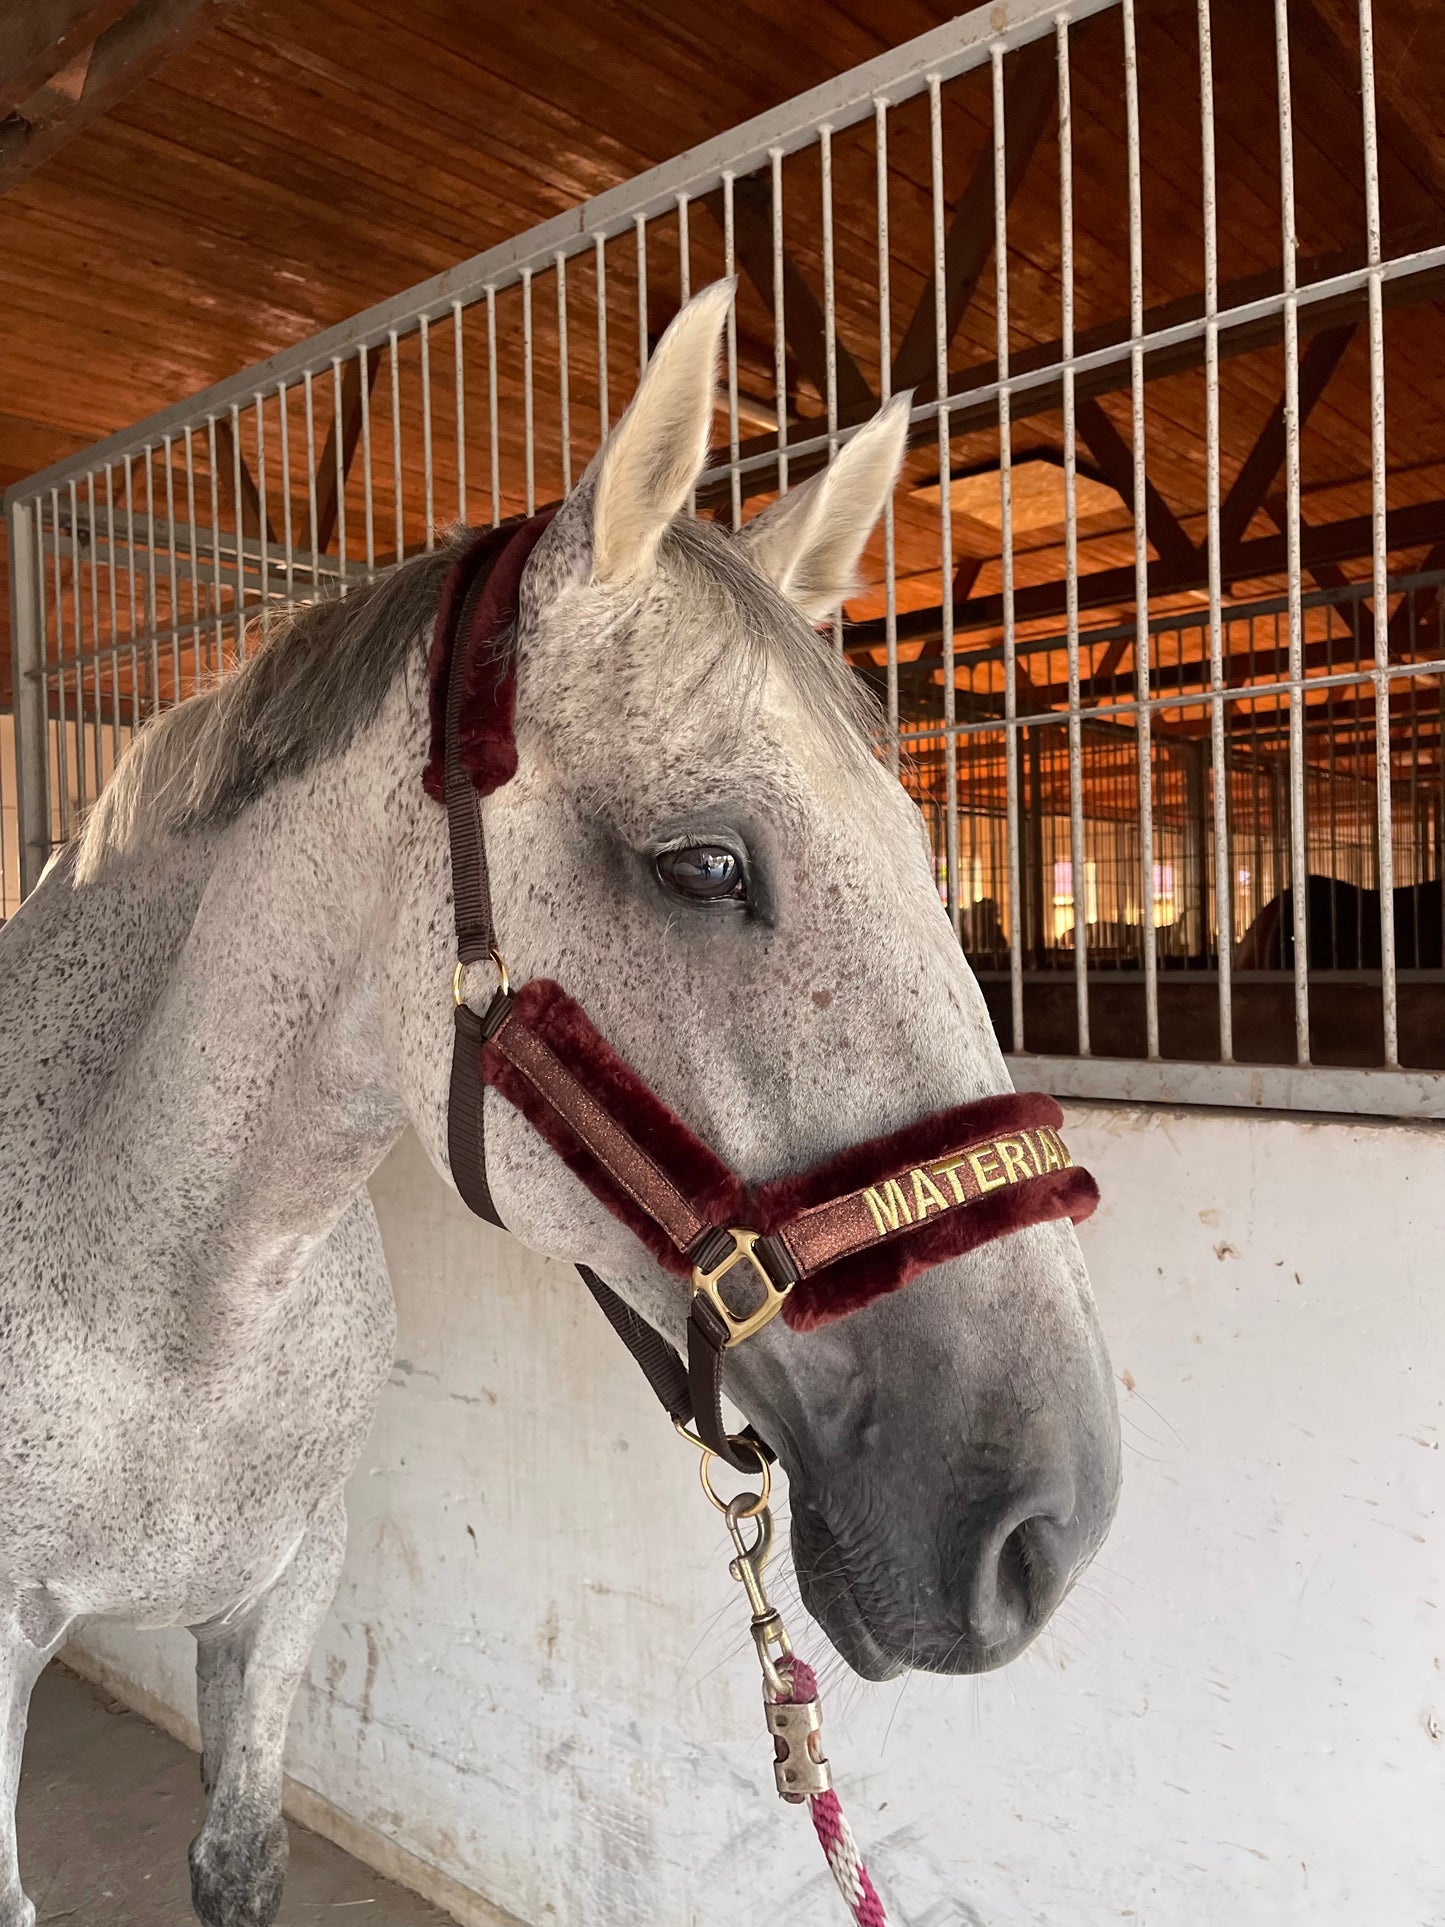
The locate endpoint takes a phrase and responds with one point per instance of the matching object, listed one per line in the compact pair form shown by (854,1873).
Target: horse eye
(705,872)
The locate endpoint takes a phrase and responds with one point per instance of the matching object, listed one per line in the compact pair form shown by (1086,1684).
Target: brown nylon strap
(472,904)
(614,1148)
(682,1391)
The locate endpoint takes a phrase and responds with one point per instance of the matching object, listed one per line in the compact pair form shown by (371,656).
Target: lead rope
(793,1710)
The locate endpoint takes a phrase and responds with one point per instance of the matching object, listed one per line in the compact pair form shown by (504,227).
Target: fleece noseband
(812,1247)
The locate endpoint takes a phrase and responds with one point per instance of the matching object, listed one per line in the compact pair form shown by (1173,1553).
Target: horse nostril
(1018,1587)
(1015,1566)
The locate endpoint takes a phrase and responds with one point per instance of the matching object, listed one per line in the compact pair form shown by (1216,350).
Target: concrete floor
(108,1806)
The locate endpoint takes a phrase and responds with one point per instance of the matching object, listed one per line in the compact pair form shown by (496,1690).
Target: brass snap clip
(741,1323)
(799,1769)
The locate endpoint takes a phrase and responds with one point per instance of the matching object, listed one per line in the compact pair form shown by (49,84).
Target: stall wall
(536,1685)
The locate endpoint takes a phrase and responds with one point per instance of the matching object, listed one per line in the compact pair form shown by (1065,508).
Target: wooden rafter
(229,464)
(89,77)
(1116,465)
(39,39)
(1173,358)
(1343,541)
(1029,98)
(803,320)
(1261,466)
(349,419)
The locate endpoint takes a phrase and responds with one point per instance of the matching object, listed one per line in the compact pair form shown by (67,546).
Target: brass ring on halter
(459,977)
(735,1507)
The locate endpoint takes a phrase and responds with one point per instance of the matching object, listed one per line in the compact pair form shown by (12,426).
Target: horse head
(701,844)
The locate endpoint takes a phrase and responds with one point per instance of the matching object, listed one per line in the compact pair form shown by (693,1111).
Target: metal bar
(1298,828)
(459,379)
(730,268)
(341,451)
(1078,854)
(398,513)
(76,559)
(1148,929)
(564,386)
(492,409)
(1384,802)
(62,760)
(780,327)
(830,320)
(368,487)
(885,390)
(195,562)
(599,258)
(114,617)
(263,517)
(94,580)
(1012,740)
(27,673)
(528,437)
(288,533)
(428,484)
(1219,752)
(945,518)
(239,500)
(311,508)
(642,341)
(1245,1087)
(974,396)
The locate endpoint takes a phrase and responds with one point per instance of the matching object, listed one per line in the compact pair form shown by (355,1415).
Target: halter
(810,1248)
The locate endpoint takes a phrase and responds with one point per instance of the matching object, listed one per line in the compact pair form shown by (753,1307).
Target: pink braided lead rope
(834,1834)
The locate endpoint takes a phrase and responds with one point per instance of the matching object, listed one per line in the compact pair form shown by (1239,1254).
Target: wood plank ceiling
(299,159)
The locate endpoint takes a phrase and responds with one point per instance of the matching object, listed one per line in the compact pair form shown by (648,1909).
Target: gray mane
(324,668)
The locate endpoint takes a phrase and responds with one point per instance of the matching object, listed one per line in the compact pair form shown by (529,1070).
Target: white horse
(230,995)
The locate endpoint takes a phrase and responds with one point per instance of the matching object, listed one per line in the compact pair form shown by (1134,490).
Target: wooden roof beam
(1175,358)
(1262,464)
(1116,465)
(804,327)
(331,476)
(1344,541)
(81,87)
(39,39)
(230,466)
(1030,91)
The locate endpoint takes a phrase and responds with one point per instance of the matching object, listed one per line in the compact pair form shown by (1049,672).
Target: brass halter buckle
(741,1324)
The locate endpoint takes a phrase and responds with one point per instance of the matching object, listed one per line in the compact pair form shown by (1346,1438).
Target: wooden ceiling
(296,160)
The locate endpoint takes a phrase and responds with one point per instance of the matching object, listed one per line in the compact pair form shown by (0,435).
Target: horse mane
(320,676)
(323,670)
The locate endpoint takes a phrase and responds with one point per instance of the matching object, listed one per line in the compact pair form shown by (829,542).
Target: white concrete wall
(535,1677)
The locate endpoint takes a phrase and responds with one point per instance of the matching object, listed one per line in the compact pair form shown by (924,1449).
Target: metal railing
(139,567)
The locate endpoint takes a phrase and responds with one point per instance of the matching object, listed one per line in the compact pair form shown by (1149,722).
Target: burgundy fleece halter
(813,1247)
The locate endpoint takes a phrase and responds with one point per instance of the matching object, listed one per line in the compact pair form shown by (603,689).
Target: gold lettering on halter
(949,1169)
(926,1195)
(888,1205)
(1056,1157)
(1015,1160)
(993,1166)
(987,1180)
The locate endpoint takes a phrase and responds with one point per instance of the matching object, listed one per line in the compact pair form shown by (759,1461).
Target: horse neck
(254,1099)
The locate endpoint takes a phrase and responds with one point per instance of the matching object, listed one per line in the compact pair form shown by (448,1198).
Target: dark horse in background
(1343,921)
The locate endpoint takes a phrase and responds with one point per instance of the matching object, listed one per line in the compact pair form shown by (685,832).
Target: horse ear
(650,461)
(808,543)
